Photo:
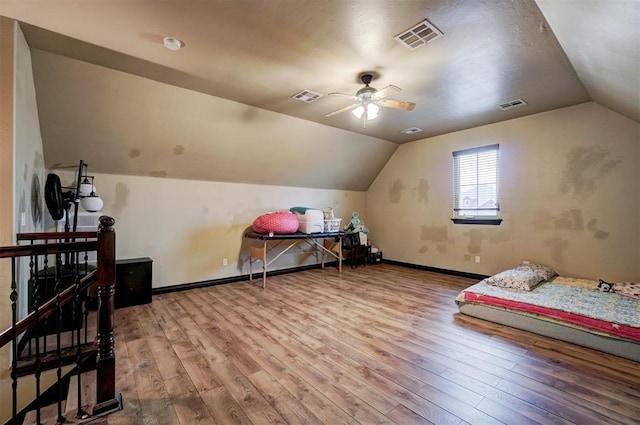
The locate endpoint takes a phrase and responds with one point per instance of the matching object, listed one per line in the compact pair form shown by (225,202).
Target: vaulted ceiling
(103,75)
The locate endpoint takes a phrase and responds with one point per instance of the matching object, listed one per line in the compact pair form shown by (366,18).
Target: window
(475,185)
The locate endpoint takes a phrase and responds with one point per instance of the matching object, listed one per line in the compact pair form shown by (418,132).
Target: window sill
(486,221)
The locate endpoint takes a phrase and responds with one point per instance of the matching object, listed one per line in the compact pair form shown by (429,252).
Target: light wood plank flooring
(377,344)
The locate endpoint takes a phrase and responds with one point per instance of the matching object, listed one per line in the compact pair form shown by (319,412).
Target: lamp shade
(85,188)
(92,203)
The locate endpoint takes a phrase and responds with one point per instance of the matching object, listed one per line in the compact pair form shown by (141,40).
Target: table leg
(339,256)
(259,253)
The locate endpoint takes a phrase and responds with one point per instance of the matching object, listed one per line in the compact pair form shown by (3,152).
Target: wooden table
(324,243)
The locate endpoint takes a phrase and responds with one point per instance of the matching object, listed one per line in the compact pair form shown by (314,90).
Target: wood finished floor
(377,344)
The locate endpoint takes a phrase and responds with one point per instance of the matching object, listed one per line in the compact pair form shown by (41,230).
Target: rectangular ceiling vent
(307,96)
(411,130)
(513,104)
(418,35)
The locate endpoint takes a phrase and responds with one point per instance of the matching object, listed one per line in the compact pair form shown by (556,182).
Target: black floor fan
(59,202)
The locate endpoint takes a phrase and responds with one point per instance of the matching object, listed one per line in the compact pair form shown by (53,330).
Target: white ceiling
(550,53)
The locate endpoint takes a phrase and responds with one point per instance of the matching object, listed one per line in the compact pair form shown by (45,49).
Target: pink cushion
(276,222)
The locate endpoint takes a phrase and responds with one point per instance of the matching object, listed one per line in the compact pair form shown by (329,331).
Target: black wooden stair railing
(60,312)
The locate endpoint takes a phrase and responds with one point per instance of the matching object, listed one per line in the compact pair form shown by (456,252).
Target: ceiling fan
(369,99)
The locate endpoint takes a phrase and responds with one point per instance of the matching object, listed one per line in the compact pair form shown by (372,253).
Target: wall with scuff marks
(570,197)
(187,227)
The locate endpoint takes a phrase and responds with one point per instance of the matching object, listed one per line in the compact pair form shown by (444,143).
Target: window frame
(457,201)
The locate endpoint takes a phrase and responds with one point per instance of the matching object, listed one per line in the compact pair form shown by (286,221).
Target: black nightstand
(133,282)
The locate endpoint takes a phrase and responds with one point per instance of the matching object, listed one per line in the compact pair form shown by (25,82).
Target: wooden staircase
(68,390)
(60,335)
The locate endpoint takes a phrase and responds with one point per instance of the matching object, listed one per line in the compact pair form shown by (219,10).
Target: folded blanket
(575,281)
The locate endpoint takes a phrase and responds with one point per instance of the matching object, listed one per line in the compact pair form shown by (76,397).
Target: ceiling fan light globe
(358,111)
(372,111)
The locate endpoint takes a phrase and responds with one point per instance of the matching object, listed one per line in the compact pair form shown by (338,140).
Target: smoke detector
(173,43)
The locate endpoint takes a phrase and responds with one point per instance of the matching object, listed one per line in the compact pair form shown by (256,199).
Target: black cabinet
(133,282)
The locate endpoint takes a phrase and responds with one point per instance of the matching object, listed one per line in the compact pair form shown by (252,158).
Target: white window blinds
(475,182)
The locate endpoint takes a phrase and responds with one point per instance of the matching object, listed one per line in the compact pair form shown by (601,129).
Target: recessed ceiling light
(173,43)
(411,130)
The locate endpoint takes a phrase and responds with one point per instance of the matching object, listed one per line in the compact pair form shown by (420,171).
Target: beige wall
(7,36)
(570,197)
(20,160)
(29,159)
(29,208)
(187,227)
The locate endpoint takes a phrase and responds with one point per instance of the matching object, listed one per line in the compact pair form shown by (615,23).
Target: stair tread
(51,361)
(49,414)
(88,388)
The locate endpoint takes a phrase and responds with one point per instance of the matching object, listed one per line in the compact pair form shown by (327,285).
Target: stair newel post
(106,360)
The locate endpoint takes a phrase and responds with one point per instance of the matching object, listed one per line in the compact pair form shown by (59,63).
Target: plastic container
(311,221)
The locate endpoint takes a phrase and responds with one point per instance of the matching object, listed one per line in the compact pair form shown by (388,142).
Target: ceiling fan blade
(346,108)
(350,96)
(407,106)
(385,91)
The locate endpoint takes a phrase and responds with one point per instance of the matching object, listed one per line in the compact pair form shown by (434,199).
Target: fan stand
(67,200)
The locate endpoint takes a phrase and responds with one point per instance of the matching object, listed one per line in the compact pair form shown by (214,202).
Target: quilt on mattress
(605,313)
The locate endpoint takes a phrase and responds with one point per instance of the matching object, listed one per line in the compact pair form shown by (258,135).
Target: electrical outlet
(525,262)
(23,219)
(225,262)
(477,258)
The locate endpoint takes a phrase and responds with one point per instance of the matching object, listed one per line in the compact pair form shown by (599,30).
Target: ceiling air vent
(307,96)
(513,104)
(418,35)
(411,130)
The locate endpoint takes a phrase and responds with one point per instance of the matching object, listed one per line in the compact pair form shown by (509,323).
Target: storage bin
(375,257)
(311,221)
(332,225)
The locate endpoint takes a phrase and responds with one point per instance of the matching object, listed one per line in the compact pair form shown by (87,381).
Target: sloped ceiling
(222,107)
(602,40)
